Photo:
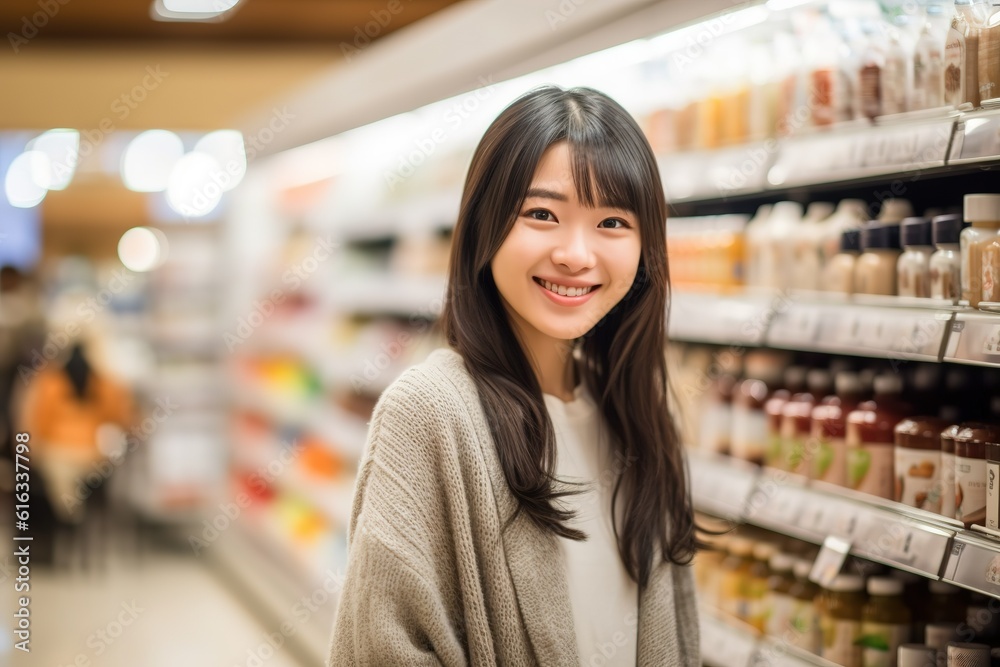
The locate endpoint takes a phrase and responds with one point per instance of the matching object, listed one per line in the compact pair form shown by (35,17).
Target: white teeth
(566,291)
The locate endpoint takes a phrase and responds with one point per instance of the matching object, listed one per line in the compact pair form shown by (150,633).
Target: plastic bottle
(849,214)
(716,423)
(829,424)
(875,269)
(843,606)
(913,276)
(954,59)
(735,570)
(989,58)
(928,64)
(870,439)
(946,262)
(895,210)
(970,471)
(750,430)
(838,274)
(868,102)
(948,470)
(757,584)
(806,240)
(805,627)
(779,599)
(897,74)
(796,422)
(918,462)
(983,212)
(757,252)
(784,218)
(793,384)
(827,90)
(885,623)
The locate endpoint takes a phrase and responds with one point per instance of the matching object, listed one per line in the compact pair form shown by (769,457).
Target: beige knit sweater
(431,580)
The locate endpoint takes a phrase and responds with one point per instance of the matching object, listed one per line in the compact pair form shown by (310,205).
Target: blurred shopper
(22,329)
(522,496)
(65,408)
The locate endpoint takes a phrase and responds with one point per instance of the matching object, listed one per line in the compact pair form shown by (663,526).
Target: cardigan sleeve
(397,604)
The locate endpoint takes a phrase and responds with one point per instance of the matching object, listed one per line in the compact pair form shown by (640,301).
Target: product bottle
(756,249)
(885,623)
(838,274)
(807,239)
(963,654)
(875,269)
(928,64)
(897,75)
(796,422)
(916,597)
(794,383)
(954,59)
(945,605)
(946,262)
(869,86)
(983,211)
(779,600)
(750,431)
(993,485)
(948,435)
(757,584)
(913,267)
(970,471)
(895,210)
(918,462)
(974,14)
(805,627)
(784,218)
(735,570)
(989,58)
(829,423)
(870,439)
(716,424)
(849,214)
(844,602)
(828,92)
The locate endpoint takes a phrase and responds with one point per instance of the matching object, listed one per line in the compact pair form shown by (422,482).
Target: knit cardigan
(431,577)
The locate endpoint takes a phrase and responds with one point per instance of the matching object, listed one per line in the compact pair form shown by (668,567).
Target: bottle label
(870,90)
(894,85)
(772,457)
(870,468)
(749,439)
(970,490)
(778,616)
(880,643)
(716,427)
(840,641)
(993,495)
(954,64)
(805,630)
(948,485)
(830,462)
(918,478)
(991,269)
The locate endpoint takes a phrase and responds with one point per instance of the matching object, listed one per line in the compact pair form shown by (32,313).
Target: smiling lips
(564,291)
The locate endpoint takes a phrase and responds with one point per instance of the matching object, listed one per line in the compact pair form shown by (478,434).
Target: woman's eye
(539,214)
(624,225)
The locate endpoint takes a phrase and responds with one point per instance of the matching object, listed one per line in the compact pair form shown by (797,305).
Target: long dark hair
(78,371)
(623,355)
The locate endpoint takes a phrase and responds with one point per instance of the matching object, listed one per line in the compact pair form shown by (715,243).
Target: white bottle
(895,210)
(850,214)
(928,64)
(756,250)
(783,220)
(807,240)
(897,75)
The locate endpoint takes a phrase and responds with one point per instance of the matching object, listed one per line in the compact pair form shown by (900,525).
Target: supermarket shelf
(331,498)
(711,318)
(345,432)
(879,530)
(389,294)
(727,642)
(974,338)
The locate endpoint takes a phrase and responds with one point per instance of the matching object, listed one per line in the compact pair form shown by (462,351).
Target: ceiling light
(21,184)
(192,10)
(140,249)
(193,190)
(62,146)
(226,146)
(148,160)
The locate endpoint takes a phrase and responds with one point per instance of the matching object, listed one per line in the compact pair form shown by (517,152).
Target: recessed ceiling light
(192,10)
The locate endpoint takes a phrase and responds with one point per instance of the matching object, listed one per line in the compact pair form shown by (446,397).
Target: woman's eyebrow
(545,194)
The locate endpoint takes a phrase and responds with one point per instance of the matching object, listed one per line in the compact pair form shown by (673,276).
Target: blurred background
(224,230)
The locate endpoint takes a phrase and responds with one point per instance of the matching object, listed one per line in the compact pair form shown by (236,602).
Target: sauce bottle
(983,212)
(794,383)
(870,439)
(736,569)
(805,622)
(993,484)
(796,423)
(757,584)
(779,599)
(716,421)
(918,462)
(829,424)
(946,263)
(948,469)
(913,273)
(843,606)
(875,269)
(838,274)
(970,471)
(885,622)
(750,430)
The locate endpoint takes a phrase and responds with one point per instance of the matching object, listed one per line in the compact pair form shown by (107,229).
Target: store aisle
(168,610)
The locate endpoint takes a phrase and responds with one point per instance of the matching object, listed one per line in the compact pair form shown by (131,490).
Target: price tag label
(991,344)
(816,516)
(847,330)
(847,522)
(830,560)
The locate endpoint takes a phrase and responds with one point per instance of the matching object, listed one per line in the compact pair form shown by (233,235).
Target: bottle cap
(850,240)
(894,210)
(946,228)
(787,209)
(884,586)
(915,232)
(847,583)
(916,655)
(968,655)
(847,382)
(943,588)
(877,236)
(819,381)
(939,635)
(781,562)
(795,378)
(888,383)
(982,208)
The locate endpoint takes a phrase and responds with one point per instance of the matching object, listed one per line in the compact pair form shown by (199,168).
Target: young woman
(522,497)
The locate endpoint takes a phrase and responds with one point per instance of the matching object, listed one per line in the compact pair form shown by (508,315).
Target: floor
(166,610)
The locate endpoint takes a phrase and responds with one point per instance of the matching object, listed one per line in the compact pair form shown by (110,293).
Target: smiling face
(563,266)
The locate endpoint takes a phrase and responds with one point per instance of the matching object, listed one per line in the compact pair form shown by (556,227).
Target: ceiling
(88,64)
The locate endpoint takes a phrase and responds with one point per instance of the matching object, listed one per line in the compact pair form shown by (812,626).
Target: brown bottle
(829,424)
(795,378)
(796,422)
(870,439)
(970,471)
(918,462)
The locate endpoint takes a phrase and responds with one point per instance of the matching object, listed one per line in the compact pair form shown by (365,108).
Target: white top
(603,597)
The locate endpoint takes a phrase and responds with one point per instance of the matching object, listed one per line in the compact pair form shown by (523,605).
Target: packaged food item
(885,623)
(794,383)
(983,212)
(716,424)
(918,462)
(962,654)
(970,471)
(875,269)
(928,64)
(840,622)
(778,616)
(945,607)
(757,250)
(838,274)
(805,622)
(807,240)
(796,422)
(948,470)
(757,584)
(917,655)
(829,425)
(897,74)
(913,267)
(870,439)
(776,269)
(849,214)
(946,263)
(989,59)
(735,571)
(993,485)
(954,60)
(750,432)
